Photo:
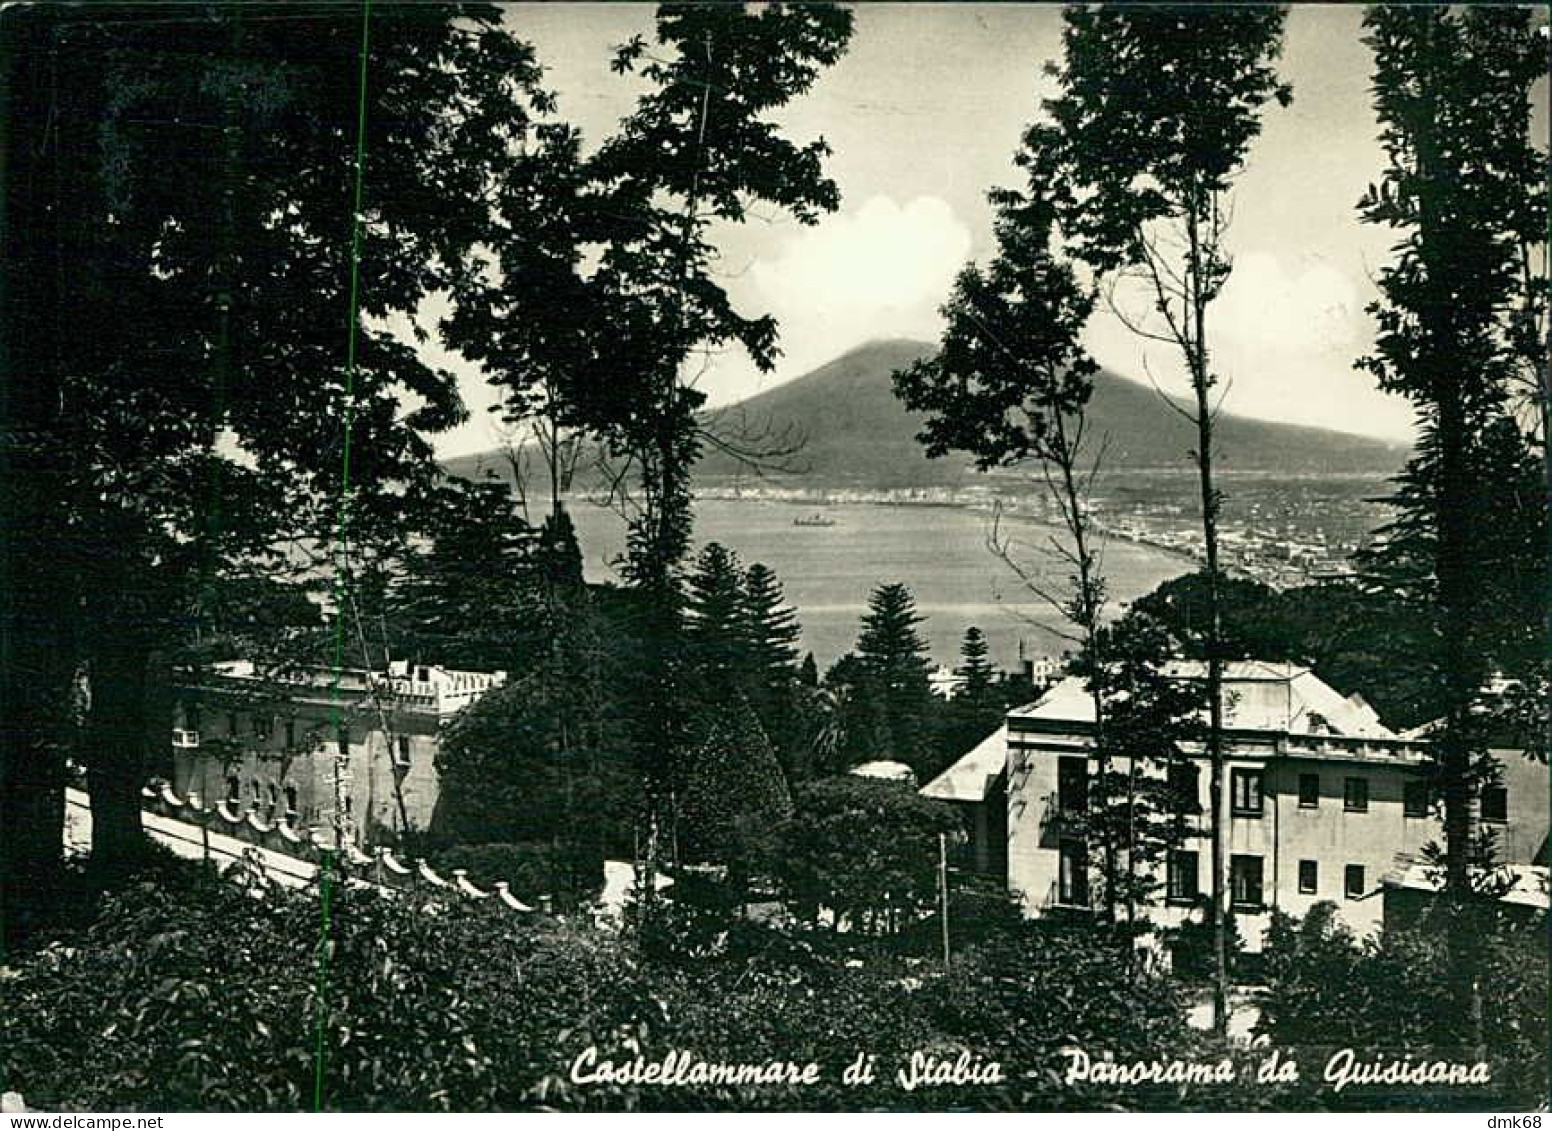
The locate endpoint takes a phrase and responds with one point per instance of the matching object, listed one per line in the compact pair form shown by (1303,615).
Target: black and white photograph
(773,557)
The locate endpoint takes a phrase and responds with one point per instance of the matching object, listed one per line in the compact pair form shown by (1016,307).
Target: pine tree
(808,671)
(774,691)
(716,626)
(975,669)
(893,660)
(699,150)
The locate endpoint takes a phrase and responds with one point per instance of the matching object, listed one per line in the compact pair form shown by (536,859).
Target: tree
(1010,385)
(1452,92)
(892,658)
(201,177)
(864,850)
(975,669)
(775,691)
(977,705)
(733,789)
(699,150)
(716,627)
(1135,813)
(472,594)
(1155,111)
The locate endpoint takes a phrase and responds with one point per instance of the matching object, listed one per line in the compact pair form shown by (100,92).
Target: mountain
(856,433)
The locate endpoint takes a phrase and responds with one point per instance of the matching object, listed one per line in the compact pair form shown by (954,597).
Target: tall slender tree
(1010,385)
(700,149)
(1156,109)
(1452,93)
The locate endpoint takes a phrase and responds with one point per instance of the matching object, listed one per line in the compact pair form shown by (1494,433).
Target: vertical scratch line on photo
(343,562)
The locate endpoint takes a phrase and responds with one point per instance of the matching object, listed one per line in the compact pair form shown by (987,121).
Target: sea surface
(939,552)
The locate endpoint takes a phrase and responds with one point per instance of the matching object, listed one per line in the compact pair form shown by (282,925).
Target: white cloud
(1286,335)
(1311,308)
(878,271)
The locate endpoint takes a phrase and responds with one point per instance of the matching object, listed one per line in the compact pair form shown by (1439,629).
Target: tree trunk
(115,754)
(37,654)
(1201,381)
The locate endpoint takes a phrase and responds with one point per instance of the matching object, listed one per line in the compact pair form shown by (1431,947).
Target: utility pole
(943,893)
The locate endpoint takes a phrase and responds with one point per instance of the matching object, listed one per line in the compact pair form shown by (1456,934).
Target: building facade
(1321,802)
(274,744)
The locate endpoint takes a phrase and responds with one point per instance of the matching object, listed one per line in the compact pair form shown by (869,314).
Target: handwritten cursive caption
(1339,1070)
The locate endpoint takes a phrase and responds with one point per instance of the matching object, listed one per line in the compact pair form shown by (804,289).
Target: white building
(269,743)
(1320,800)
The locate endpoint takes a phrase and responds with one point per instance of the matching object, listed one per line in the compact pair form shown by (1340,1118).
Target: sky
(924,114)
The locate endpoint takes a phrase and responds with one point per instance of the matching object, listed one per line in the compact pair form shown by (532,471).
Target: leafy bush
(1395,991)
(863,849)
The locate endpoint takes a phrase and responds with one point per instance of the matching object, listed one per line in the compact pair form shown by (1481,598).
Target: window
(191,716)
(1309,877)
(1073,881)
(1352,881)
(258,792)
(274,802)
(231,724)
(1185,787)
(402,758)
(291,813)
(233,791)
(263,726)
(1414,799)
(1072,785)
(290,733)
(1245,789)
(1355,795)
(1495,803)
(1245,881)
(1309,791)
(1182,876)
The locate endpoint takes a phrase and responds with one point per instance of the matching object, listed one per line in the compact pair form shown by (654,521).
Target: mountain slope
(858,433)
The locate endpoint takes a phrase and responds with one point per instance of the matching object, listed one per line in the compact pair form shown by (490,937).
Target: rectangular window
(191,716)
(1072,785)
(1185,787)
(1309,791)
(290,733)
(231,724)
(1182,874)
(1355,795)
(1309,877)
(263,726)
(1352,881)
(1495,803)
(402,756)
(1414,799)
(1245,789)
(1073,881)
(1245,881)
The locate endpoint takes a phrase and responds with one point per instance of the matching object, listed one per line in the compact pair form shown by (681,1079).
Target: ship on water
(816,519)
